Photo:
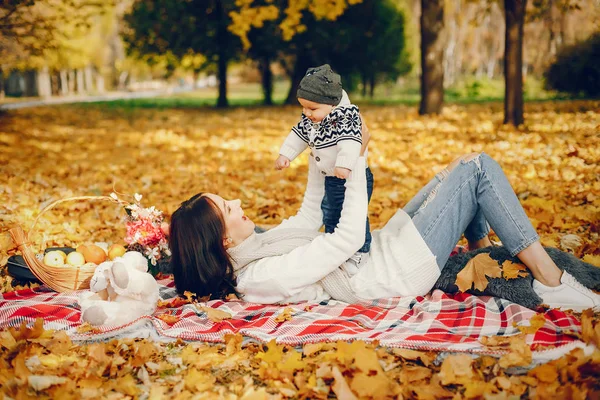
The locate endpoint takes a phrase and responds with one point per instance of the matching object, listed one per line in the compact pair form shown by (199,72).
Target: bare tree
(513,61)
(432,56)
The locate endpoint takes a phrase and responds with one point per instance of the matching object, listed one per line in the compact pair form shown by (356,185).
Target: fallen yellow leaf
(457,370)
(511,270)
(214,314)
(475,273)
(519,353)
(592,259)
(285,315)
(535,323)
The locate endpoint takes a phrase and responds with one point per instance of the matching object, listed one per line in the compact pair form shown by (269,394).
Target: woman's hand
(366,136)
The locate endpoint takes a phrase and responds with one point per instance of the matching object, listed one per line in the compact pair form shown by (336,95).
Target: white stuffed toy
(121,291)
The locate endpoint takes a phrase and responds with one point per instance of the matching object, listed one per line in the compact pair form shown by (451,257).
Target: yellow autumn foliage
(250,15)
(169,155)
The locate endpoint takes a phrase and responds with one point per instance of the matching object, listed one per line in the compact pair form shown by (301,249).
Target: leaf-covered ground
(169,155)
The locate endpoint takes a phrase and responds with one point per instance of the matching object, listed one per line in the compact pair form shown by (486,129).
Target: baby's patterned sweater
(334,142)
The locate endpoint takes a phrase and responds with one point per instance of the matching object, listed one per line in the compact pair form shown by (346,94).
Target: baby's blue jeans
(474,196)
(332,203)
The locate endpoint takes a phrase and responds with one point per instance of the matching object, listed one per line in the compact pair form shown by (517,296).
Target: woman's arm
(310,215)
(275,279)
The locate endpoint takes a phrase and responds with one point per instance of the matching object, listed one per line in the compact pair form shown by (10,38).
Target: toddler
(331,126)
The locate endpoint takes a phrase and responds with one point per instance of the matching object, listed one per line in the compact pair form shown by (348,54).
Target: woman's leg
(477,231)
(426,191)
(478,185)
(430,188)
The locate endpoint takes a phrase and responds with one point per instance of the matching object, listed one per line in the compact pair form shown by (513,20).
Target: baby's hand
(282,162)
(342,173)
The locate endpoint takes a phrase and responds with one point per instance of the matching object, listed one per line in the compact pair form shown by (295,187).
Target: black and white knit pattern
(343,123)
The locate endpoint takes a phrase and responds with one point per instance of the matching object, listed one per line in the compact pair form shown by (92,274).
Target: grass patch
(407,92)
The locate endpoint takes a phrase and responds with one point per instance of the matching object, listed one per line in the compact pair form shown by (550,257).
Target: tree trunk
(223,58)
(196,74)
(116,49)
(31,87)
(99,82)
(80,82)
(432,56)
(55,83)
(371,85)
(2,92)
(89,82)
(267,80)
(122,81)
(44,89)
(71,81)
(64,84)
(222,76)
(513,61)
(365,82)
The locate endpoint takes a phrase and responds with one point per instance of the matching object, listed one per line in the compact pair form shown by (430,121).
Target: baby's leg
(367,245)
(332,202)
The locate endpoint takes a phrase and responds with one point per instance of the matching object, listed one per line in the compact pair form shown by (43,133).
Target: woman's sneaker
(570,294)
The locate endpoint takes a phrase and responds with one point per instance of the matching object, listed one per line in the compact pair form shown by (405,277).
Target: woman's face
(238,227)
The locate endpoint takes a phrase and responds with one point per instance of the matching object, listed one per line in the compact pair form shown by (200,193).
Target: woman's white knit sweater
(400,263)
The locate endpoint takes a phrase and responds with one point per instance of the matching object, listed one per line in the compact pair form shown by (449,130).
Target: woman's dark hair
(199,260)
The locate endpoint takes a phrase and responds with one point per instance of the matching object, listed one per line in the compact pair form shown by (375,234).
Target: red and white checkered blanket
(438,321)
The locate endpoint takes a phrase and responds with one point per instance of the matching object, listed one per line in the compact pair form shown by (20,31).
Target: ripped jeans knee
(472,157)
(443,174)
(440,176)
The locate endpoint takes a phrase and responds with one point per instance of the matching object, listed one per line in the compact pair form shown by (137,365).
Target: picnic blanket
(438,321)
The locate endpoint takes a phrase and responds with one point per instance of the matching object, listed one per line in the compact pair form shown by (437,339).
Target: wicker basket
(62,278)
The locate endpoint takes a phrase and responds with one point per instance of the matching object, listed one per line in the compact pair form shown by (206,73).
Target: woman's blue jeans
(474,196)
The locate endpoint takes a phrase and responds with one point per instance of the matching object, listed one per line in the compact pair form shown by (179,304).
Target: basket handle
(19,237)
(55,203)
(61,279)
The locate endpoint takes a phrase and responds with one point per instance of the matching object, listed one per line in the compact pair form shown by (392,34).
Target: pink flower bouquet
(146,231)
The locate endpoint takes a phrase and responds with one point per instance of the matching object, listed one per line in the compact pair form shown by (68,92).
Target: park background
(168,98)
(252,52)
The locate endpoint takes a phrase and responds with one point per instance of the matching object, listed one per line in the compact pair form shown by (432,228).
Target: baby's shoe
(357,260)
(570,294)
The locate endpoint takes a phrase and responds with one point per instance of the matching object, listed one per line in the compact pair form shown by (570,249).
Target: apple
(75,258)
(116,250)
(62,253)
(54,258)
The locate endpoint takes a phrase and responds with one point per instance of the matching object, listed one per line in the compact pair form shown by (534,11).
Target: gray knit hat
(321,85)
